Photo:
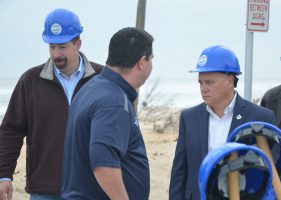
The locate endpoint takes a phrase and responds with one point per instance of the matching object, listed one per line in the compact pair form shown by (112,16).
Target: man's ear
(141,62)
(231,79)
(78,43)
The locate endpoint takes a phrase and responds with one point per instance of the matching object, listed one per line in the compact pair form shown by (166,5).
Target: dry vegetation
(156,114)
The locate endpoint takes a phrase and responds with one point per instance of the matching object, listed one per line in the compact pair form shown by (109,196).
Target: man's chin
(206,101)
(60,67)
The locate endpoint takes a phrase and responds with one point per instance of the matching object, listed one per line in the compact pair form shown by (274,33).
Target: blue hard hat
(218,59)
(253,166)
(246,134)
(61,26)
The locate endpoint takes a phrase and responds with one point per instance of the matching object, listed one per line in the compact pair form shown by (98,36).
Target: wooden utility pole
(140,24)
(141,14)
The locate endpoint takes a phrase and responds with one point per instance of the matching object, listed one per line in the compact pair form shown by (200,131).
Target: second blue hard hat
(246,134)
(218,59)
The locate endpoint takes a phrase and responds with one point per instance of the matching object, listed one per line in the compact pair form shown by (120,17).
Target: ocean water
(7,85)
(185,92)
(172,92)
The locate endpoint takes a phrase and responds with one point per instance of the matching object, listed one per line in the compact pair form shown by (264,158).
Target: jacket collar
(121,82)
(48,70)
(239,113)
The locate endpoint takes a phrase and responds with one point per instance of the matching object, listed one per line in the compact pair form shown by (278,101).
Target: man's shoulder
(108,92)
(32,72)
(252,107)
(97,67)
(195,109)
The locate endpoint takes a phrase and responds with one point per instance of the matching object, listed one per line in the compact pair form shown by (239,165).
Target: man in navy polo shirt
(104,152)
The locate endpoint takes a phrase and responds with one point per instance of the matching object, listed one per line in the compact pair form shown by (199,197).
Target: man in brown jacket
(38,109)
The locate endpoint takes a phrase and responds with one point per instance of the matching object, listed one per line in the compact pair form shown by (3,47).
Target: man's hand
(6,190)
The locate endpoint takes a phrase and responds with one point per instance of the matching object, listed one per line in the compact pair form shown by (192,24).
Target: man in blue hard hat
(38,109)
(207,125)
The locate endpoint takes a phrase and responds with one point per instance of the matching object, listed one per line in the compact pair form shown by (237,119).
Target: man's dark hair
(235,78)
(75,39)
(127,46)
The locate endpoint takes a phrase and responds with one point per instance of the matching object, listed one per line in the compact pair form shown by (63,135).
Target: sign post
(257,20)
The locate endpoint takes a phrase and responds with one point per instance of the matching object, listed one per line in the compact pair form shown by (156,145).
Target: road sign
(258,15)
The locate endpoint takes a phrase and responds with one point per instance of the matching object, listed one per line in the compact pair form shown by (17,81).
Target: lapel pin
(239,117)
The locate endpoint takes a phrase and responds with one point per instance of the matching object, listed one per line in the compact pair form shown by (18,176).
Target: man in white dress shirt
(207,125)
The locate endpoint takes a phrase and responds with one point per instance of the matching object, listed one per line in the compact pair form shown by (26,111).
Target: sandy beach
(160,149)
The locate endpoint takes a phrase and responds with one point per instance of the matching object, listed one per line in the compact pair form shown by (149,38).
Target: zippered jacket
(38,110)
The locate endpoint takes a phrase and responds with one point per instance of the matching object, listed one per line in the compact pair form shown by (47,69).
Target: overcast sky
(181,28)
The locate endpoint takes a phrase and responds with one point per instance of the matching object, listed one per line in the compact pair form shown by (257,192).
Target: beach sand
(160,149)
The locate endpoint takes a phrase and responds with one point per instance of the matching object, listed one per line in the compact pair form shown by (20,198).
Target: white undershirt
(219,127)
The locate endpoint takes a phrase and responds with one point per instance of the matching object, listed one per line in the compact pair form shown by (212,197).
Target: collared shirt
(219,126)
(69,82)
(103,131)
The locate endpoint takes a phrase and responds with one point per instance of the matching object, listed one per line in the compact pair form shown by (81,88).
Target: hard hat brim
(209,71)
(58,39)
